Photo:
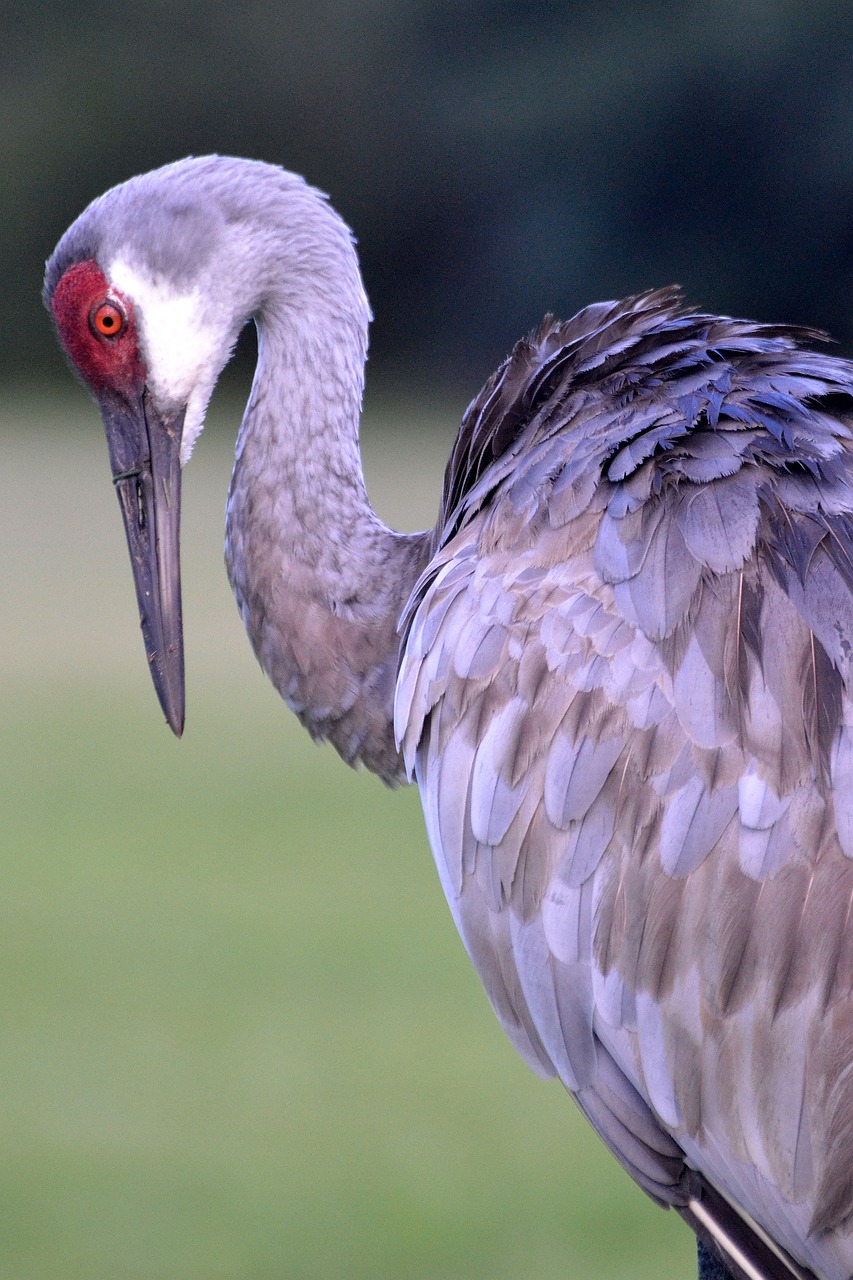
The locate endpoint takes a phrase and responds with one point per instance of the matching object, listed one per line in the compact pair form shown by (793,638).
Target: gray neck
(320,581)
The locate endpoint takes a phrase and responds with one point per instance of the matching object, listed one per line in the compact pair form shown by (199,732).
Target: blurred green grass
(240,1037)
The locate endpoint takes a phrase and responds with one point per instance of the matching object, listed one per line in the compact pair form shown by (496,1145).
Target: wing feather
(626,691)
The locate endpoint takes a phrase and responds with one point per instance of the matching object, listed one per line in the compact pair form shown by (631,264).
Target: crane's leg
(710,1266)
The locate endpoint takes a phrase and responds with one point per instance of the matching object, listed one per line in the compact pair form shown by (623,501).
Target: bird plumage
(623,683)
(624,691)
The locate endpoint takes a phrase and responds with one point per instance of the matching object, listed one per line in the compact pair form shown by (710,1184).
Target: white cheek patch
(183,352)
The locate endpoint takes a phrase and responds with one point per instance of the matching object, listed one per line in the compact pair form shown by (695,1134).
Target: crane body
(618,667)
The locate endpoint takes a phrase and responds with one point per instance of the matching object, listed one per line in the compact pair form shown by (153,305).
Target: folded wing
(626,695)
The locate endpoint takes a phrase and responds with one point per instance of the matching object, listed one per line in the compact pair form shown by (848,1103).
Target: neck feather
(320,581)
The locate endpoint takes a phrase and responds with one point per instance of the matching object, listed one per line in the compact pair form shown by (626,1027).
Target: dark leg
(710,1266)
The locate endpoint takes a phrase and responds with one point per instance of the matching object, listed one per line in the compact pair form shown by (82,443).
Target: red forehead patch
(106,362)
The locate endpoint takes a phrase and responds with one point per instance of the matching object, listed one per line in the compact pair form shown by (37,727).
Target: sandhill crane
(619,667)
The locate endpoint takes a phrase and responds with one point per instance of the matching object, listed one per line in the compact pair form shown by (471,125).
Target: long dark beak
(145,457)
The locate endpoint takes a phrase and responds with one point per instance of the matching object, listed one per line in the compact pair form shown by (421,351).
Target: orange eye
(107,319)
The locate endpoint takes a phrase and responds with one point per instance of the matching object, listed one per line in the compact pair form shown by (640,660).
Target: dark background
(496,160)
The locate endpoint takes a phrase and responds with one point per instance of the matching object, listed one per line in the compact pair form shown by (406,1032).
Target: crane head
(145,318)
(148,320)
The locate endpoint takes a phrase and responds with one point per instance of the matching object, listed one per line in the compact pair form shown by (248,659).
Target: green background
(240,1037)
